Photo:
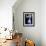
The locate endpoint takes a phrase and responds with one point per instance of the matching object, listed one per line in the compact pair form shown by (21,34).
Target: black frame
(28,19)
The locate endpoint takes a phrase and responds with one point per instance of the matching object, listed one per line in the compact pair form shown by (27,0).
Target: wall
(43,22)
(33,33)
(6,13)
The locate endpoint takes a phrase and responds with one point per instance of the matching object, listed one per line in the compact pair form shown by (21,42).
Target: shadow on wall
(28,6)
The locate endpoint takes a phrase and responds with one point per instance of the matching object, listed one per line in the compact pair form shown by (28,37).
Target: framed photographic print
(28,19)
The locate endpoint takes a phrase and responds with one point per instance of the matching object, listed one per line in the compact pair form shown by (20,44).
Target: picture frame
(28,19)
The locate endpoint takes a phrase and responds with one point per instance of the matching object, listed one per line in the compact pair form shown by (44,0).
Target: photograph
(28,19)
